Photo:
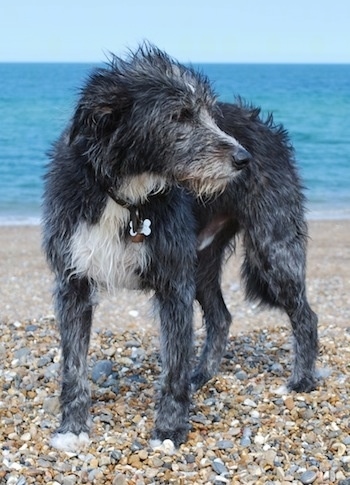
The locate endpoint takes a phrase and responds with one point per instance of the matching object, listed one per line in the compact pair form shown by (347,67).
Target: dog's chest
(102,253)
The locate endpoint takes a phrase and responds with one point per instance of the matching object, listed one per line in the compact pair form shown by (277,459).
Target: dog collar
(139,227)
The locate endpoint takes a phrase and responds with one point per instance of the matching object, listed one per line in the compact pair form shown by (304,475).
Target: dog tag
(143,229)
(146,227)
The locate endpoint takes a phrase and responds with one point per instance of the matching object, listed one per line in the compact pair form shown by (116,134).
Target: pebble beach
(246,428)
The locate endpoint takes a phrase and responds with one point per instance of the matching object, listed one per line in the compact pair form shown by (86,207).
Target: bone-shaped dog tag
(144,229)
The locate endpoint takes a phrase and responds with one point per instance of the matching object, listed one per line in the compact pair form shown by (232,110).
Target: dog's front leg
(74,315)
(176,315)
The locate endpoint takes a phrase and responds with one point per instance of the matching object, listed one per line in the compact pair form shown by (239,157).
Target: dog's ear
(99,110)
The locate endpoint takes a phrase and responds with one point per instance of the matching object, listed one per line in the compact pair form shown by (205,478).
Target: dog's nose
(240,158)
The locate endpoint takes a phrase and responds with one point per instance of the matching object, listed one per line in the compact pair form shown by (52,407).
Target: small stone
(136,446)
(269,457)
(280,473)
(157,462)
(104,461)
(52,405)
(277,369)
(224,444)
(346,440)
(219,467)
(199,418)
(115,456)
(250,403)
(136,419)
(2,352)
(340,448)
(132,343)
(69,480)
(289,403)
(259,439)
(26,437)
(52,371)
(190,458)
(308,477)
(94,462)
(101,371)
(168,447)
(241,375)
(143,455)
(21,481)
(22,354)
(307,414)
(44,360)
(134,461)
(245,441)
(119,479)
(44,463)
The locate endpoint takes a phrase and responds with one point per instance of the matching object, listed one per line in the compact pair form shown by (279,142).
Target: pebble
(224,444)
(241,375)
(237,426)
(69,480)
(120,479)
(51,405)
(308,477)
(115,456)
(250,403)
(219,467)
(101,370)
(289,403)
(245,441)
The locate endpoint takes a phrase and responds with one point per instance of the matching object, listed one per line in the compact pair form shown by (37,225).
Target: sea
(312,102)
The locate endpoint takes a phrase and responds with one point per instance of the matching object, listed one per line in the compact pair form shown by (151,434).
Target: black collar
(135,216)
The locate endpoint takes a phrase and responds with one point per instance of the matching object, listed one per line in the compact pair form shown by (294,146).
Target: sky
(275,31)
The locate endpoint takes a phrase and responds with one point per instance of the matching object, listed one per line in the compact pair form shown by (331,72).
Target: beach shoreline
(26,283)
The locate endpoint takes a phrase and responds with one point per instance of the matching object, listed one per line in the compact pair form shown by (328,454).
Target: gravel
(245,428)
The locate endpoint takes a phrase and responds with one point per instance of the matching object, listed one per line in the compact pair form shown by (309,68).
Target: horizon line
(183,62)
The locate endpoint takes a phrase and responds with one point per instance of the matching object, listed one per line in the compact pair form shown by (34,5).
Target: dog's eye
(184,115)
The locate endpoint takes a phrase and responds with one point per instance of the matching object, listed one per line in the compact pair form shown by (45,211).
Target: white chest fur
(101,252)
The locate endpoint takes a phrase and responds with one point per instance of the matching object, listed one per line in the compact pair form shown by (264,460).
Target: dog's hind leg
(217,321)
(216,316)
(176,316)
(274,271)
(74,315)
(304,324)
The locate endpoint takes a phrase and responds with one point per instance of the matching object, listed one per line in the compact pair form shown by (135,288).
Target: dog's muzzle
(240,158)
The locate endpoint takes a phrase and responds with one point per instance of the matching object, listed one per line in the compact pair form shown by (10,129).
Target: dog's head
(151,114)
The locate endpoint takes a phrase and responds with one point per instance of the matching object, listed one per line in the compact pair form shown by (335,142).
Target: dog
(147,188)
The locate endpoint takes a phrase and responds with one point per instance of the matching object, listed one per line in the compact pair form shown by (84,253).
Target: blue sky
(191,31)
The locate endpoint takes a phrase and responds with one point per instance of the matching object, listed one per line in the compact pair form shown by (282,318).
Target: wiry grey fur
(149,134)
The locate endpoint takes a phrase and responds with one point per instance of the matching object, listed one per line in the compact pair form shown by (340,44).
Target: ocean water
(311,101)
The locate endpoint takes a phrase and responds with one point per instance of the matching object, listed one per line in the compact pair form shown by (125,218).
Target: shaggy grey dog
(148,186)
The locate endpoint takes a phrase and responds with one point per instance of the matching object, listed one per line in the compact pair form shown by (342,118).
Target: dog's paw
(198,379)
(167,446)
(177,436)
(70,442)
(306,384)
